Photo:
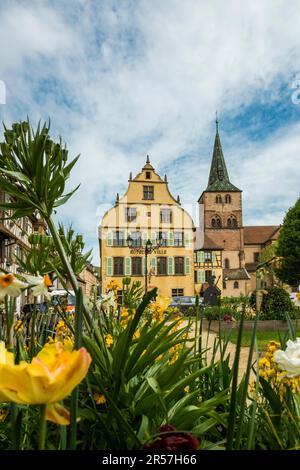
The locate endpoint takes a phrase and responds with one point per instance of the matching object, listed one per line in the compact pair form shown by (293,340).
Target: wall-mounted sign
(138,251)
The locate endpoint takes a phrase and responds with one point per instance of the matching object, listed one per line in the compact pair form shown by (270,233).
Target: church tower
(221,217)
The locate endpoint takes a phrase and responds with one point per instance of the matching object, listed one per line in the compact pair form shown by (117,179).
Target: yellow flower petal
(50,377)
(58,414)
(5,356)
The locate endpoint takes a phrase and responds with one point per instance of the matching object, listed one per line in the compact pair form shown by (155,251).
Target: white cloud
(120,80)
(28,32)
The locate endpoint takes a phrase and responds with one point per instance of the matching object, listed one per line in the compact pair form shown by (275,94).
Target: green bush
(295,312)
(235,302)
(212,313)
(275,303)
(218,313)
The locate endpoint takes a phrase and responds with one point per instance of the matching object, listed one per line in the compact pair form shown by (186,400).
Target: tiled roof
(260,234)
(236,274)
(207,243)
(251,266)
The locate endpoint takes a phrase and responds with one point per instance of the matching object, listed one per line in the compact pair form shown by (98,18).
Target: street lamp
(129,241)
(148,249)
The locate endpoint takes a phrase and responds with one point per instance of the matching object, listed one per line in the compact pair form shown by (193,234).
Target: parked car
(40,307)
(59,296)
(185,304)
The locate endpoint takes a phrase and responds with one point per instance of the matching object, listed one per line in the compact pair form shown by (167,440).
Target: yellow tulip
(48,379)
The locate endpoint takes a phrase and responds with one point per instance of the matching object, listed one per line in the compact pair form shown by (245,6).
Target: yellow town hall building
(182,257)
(148,213)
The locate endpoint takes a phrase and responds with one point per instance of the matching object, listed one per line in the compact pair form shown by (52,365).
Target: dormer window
(148,175)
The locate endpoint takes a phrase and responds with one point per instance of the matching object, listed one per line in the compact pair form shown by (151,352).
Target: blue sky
(120,80)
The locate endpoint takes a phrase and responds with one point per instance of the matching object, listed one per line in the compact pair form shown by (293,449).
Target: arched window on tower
(235,285)
(231,222)
(216,222)
(226,263)
(228,199)
(218,199)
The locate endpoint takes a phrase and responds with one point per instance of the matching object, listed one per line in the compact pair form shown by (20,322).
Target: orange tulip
(49,378)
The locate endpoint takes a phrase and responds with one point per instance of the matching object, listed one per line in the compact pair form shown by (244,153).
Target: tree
(268,256)
(288,247)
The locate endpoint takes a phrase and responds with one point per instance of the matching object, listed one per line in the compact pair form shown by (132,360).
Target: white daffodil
(289,360)
(39,284)
(10,285)
(107,300)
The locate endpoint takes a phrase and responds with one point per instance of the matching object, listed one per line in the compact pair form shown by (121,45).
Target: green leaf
(186,418)
(63,199)
(184,382)
(204,426)
(181,403)
(272,397)
(171,373)
(17,175)
(124,340)
(153,384)
(143,432)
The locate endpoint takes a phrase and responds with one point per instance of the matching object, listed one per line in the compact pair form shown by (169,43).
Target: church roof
(260,234)
(218,176)
(205,243)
